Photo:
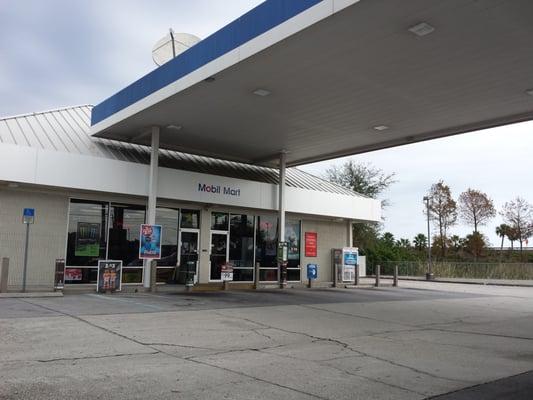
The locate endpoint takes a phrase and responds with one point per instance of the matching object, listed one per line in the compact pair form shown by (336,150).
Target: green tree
(369,181)
(475,243)
(456,242)
(361,178)
(404,243)
(420,241)
(502,231)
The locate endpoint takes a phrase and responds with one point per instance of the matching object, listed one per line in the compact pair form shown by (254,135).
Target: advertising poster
(292,236)
(150,243)
(87,240)
(311,239)
(73,274)
(109,276)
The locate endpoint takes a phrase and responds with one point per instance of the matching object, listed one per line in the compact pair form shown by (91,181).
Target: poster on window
(87,239)
(109,276)
(73,274)
(292,237)
(311,239)
(150,243)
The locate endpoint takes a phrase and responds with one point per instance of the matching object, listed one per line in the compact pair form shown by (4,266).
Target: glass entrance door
(188,253)
(219,254)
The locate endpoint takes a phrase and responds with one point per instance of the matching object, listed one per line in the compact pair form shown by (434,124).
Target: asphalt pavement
(422,340)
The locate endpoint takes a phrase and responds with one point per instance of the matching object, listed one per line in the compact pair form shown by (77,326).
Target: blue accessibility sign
(312,271)
(28,215)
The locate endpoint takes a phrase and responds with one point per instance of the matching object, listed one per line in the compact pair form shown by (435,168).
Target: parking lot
(413,342)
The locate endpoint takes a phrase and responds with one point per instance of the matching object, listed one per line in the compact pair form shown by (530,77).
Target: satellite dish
(171,45)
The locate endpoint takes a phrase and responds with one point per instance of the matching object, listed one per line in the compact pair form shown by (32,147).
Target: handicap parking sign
(28,215)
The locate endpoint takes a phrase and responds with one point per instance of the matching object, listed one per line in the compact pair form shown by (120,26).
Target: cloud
(61,52)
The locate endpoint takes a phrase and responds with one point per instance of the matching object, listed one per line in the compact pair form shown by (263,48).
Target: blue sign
(28,215)
(350,258)
(312,271)
(150,243)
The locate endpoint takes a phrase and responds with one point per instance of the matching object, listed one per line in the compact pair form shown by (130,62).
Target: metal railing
(451,269)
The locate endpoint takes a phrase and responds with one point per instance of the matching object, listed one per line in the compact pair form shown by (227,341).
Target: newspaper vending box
(345,262)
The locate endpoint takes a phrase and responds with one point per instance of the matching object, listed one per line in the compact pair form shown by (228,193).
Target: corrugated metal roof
(67,130)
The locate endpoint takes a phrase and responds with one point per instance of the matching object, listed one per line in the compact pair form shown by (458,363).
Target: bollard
(356,275)
(4,272)
(225,285)
(256,275)
(153,275)
(378,273)
(395,281)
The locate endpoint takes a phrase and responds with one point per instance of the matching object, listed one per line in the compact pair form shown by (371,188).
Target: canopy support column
(281,208)
(350,233)
(152,194)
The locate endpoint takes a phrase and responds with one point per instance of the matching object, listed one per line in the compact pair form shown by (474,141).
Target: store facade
(90,198)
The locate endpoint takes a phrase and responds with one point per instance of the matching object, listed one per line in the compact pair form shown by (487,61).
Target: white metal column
(350,233)
(281,208)
(281,193)
(152,194)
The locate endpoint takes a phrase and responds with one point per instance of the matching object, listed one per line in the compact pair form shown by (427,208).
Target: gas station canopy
(321,79)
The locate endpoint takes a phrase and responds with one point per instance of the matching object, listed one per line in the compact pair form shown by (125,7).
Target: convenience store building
(90,198)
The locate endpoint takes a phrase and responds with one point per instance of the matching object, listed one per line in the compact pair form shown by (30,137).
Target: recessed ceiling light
(210,79)
(381,128)
(421,29)
(174,127)
(13,185)
(530,92)
(261,92)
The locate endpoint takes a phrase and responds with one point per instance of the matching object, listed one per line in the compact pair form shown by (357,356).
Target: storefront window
(86,243)
(168,218)
(190,219)
(266,247)
(125,224)
(241,247)
(219,221)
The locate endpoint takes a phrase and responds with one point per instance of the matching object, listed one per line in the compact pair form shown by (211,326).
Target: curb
(18,295)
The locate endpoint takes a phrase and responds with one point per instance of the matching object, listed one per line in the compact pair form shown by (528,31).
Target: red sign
(311,239)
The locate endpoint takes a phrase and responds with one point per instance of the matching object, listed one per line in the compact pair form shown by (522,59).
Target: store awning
(323,79)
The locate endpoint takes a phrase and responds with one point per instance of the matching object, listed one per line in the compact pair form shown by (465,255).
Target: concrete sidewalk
(467,281)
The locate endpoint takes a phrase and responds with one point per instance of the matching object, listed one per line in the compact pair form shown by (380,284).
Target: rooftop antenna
(172,45)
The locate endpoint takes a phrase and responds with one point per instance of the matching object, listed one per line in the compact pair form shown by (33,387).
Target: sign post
(226,271)
(28,218)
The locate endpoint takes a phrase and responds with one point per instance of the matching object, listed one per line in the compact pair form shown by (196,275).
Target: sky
(57,53)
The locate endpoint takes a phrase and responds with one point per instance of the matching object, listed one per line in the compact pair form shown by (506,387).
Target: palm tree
(420,241)
(513,235)
(405,243)
(456,242)
(502,231)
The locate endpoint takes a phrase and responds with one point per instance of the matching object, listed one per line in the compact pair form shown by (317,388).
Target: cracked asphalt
(422,340)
